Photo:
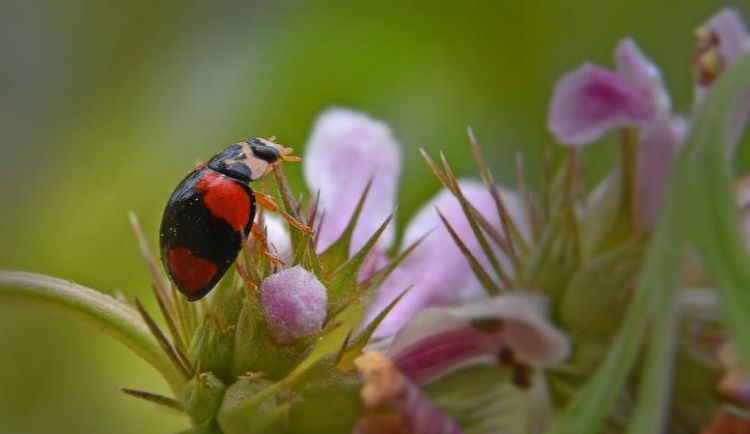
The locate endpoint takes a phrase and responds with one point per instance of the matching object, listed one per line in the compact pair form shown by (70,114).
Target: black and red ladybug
(212,211)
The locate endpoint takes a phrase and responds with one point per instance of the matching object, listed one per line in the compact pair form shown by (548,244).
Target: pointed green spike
(509,225)
(489,285)
(342,282)
(377,279)
(162,339)
(467,208)
(293,208)
(338,252)
(335,334)
(353,349)
(155,398)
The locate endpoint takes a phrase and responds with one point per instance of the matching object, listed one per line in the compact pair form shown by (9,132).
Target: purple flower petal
(660,141)
(633,64)
(733,38)
(591,100)
(721,42)
(294,303)
(387,389)
(346,150)
(436,270)
(439,340)
(278,237)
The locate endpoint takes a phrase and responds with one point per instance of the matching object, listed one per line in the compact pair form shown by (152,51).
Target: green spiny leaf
(469,212)
(377,279)
(509,226)
(300,242)
(338,252)
(353,349)
(484,277)
(102,311)
(173,355)
(342,282)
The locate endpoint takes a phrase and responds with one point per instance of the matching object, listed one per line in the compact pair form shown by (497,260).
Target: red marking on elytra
(191,272)
(226,199)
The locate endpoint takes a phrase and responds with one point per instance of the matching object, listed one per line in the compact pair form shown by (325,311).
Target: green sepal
(203,396)
(255,351)
(555,258)
(606,220)
(342,281)
(254,405)
(325,389)
(212,346)
(354,348)
(482,399)
(592,302)
(333,340)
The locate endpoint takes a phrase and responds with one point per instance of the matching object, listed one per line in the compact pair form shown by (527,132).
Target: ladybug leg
(261,237)
(267,203)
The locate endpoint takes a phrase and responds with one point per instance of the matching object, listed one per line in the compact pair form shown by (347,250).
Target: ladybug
(212,211)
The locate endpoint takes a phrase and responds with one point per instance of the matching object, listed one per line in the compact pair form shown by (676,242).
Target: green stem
(106,314)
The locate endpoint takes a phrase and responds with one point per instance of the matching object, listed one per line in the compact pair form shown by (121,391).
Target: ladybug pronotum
(212,211)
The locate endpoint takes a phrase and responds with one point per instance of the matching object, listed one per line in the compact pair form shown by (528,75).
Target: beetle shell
(204,223)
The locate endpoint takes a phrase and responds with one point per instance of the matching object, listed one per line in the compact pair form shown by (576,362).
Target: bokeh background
(104,106)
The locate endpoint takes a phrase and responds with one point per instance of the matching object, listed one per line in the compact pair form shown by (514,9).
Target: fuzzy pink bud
(294,303)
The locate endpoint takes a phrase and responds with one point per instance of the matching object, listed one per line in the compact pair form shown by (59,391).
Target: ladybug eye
(266,153)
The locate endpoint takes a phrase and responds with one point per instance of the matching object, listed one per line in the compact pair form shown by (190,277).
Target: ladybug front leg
(267,203)
(261,238)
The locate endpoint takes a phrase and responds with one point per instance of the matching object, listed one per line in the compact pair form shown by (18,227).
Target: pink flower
(442,321)
(437,271)
(346,150)
(438,340)
(592,100)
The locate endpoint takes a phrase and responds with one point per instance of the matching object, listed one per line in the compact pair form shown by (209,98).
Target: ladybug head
(250,160)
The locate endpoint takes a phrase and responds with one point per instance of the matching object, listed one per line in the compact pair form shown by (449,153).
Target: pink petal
(441,339)
(591,100)
(345,150)
(436,270)
(660,141)
(386,388)
(633,64)
(278,238)
(734,40)
(294,303)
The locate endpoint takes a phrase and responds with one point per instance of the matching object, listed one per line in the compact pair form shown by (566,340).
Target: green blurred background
(104,106)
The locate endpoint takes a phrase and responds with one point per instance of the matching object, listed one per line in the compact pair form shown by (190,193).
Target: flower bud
(294,303)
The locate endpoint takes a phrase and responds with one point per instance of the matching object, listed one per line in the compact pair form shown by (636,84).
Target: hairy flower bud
(294,303)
